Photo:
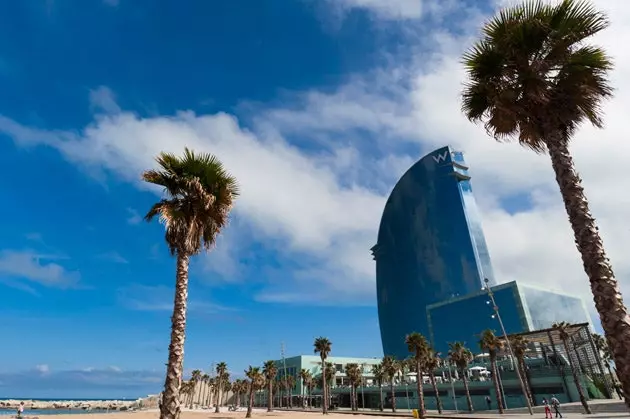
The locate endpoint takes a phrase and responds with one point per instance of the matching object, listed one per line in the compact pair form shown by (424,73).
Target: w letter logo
(440,157)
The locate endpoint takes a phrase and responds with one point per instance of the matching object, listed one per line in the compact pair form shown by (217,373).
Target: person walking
(556,405)
(489,402)
(547,408)
(20,410)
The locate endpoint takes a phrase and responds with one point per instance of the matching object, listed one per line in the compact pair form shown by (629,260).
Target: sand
(205,414)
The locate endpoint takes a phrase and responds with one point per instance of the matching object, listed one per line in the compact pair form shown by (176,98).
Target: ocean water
(43,412)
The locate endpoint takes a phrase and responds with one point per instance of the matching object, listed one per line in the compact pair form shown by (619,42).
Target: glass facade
(430,246)
(544,307)
(463,319)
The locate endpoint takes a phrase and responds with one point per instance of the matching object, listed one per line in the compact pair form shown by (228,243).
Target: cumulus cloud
(24,267)
(319,206)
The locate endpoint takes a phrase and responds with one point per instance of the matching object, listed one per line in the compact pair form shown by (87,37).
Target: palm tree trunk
(576,379)
(468,399)
(251,401)
(391,387)
(170,408)
(420,390)
(380,393)
(495,380)
(438,400)
(525,377)
(217,399)
(270,397)
(324,389)
(606,293)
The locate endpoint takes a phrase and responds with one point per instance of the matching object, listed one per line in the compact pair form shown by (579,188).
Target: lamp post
(507,341)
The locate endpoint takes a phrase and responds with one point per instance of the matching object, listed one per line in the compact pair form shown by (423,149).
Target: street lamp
(507,341)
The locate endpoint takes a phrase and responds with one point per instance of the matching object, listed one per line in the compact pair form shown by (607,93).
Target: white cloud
(42,368)
(112,256)
(102,99)
(36,268)
(387,9)
(133,217)
(160,298)
(321,208)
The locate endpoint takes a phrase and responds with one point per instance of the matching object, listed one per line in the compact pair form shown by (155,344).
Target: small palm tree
(205,379)
(199,197)
(602,347)
(419,348)
(519,347)
(461,356)
(195,378)
(379,376)
(270,371)
(305,376)
(431,363)
(353,373)
(532,77)
(289,383)
(563,331)
(491,344)
(391,367)
(256,381)
(323,346)
(221,370)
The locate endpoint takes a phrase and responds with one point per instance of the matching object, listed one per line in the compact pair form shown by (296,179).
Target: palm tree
(221,370)
(418,346)
(353,373)
(519,348)
(209,390)
(563,332)
(195,378)
(431,363)
(205,380)
(533,77)
(269,371)
(323,346)
(461,357)
(390,368)
(379,376)
(199,197)
(602,347)
(310,385)
(227,387)
(491,344)
(256,381)
(238,389)
(305,376)
(289,383)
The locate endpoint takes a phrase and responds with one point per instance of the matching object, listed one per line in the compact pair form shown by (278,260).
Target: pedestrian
(556,405)
(20,410)
(489,402)
(547,408)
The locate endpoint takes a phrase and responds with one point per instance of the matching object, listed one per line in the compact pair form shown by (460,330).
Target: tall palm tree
(461,356)
(519,348)
(221,370)
(210,391)
(563,332)
(379,376)
(305,376)
(256,381)
(418,346)
(270,371)
(199,196)
(431,362)
(391,367)
(533,77)
(323,346)
(227,387)
(310,385)
(238,389)
(604,351)
(289,384)
(491,344)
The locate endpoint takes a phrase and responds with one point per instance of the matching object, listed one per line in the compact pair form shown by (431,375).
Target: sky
(317,107)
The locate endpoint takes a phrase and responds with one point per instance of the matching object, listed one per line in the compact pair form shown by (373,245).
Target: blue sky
(317,106)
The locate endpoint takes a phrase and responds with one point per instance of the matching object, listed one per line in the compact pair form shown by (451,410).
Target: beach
(206,414)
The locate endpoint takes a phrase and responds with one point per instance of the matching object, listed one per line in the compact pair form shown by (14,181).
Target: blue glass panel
(548,307)
(464,319)
(430,246)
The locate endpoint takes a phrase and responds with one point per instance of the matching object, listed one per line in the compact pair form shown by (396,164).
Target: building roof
(542,336)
